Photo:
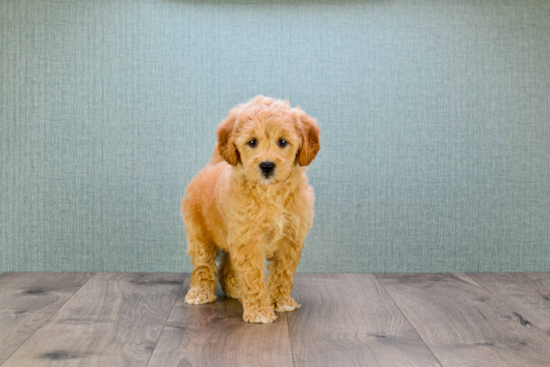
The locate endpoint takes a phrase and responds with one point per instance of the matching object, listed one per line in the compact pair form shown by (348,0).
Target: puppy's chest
(272,221)
(273,230)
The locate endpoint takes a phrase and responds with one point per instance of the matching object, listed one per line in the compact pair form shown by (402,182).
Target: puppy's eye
(283,143)
(252,143)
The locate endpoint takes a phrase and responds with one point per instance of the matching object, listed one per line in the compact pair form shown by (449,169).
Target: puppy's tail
(216,156)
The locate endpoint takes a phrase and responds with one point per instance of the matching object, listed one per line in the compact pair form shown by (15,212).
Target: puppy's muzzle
(267,168)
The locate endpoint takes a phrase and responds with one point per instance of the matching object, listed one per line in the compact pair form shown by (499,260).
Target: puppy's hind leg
(202,288)
(227,276)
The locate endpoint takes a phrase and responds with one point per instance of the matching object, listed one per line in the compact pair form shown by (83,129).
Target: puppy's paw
(259,315)
(285,305)
(199,296)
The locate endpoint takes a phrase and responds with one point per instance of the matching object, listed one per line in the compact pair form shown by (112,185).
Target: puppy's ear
(226,147)
(310,139)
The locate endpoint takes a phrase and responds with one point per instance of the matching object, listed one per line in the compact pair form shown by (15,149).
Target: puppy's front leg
(249,263)
(281,275)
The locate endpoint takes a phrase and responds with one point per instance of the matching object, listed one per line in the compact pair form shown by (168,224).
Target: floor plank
(464,324)
(349,320)
(541,282)
(216,335)
(516,291)
(27,300)
(113,320)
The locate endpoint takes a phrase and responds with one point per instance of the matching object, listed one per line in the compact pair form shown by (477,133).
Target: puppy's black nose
(267,168)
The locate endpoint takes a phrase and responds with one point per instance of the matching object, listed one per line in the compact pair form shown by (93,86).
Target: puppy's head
(267,139)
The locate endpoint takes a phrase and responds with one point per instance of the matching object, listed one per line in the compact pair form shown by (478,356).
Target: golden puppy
(252,203)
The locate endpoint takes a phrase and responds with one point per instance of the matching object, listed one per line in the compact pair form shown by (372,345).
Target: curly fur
(234,213)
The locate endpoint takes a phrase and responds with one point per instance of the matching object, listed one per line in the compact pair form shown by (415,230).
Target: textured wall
(435,118)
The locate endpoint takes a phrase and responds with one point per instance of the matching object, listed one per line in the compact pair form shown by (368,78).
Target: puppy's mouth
(268,175)
(267,178)
(266,182)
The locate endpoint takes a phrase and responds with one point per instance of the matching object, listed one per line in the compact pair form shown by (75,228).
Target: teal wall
(435,120)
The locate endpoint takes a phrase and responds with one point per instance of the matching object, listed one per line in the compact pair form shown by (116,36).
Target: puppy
(252,203)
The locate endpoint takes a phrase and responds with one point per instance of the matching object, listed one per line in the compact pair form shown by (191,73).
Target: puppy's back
(200,205)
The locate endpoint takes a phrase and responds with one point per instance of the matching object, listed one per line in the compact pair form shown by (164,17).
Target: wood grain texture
(464,324)
(215,335)
(349,320)
(27,300)
(113,320)
(519,292)
(540,281)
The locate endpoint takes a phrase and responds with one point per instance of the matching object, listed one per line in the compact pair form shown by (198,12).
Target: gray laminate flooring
(140,319)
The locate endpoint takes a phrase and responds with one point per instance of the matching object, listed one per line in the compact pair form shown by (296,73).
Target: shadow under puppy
(252,203)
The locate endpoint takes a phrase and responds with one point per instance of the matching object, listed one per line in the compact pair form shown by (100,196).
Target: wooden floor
(140,319)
